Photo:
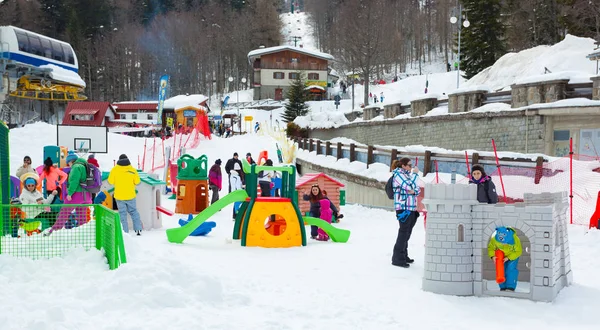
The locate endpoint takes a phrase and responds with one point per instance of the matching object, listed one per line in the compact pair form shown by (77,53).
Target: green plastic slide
(177,235)
(337,235)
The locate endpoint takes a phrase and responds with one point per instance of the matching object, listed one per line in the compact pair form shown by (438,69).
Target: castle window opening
(461,233)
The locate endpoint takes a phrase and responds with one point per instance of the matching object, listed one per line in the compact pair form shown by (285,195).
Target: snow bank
(324,119)
(567,55)
(182,101)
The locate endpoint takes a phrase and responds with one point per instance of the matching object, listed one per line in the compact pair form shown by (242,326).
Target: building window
(461,233)
(150,116)
(313,76)
(134,116)
(278,75)
(562,135)
(293,75)
(123,116)
(294,60)
(82,117)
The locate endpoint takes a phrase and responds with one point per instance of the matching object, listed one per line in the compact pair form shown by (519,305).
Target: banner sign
(162,94)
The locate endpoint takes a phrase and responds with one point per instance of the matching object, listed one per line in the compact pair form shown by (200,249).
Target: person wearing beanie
(26,167)
(124,177)
(486,189)
(31,196)
(92,160)
(215,181)
(53,176)
(229,167)
(249,159)
(75,194)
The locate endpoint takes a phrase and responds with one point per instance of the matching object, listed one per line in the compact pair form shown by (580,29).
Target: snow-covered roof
(182,101)
(64,75)
(315,86)
(263,51)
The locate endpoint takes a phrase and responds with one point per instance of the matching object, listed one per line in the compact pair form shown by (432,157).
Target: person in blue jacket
(508,242)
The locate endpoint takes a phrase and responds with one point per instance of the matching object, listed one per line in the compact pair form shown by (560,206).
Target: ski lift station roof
(270,50)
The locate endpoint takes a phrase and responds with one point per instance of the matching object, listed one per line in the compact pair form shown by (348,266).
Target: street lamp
(461,23)
(237,101)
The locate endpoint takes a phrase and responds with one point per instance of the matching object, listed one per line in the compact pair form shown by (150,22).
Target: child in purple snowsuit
(326,214)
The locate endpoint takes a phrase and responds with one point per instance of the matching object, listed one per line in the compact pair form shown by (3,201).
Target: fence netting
(153,156)
(47,231)
(553,176)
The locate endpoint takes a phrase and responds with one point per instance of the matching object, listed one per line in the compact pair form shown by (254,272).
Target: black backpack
(389,187)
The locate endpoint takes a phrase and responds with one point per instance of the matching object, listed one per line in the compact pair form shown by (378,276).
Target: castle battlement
(459,229)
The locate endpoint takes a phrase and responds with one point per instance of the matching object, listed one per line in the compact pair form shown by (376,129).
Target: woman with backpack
(75,193)
(406,190)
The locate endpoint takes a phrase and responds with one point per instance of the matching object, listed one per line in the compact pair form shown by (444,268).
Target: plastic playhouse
(333,188)
(192,184)
(273,222)
(147,199)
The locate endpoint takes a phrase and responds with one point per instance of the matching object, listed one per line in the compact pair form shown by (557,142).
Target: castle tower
(459,230)
(448,242)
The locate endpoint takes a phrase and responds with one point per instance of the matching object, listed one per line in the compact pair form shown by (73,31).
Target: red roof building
(89,114)
(140,111)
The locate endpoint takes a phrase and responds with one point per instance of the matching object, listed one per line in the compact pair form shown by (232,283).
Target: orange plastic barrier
(500,267)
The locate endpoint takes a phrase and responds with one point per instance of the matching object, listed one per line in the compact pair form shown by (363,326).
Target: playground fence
(22,229)
(519,175)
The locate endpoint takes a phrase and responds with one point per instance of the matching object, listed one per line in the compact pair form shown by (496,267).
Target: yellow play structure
(270,222)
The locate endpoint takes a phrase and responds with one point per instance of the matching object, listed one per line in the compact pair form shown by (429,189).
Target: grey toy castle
(459,229)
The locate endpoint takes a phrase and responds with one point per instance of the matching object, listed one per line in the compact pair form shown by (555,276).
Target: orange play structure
(500,278)
(192,185)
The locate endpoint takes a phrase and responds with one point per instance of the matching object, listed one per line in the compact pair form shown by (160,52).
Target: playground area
(215,281)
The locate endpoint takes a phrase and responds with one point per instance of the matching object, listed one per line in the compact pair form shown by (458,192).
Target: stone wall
(465,101)
(539,92)
(467,131)
(422,106)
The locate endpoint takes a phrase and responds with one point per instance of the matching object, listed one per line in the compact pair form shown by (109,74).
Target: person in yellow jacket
(507,241)
(124,177)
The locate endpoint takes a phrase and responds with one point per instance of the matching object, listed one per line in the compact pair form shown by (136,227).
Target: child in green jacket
(507,241)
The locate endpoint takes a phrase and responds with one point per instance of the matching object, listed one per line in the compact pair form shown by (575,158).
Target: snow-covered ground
(213,283)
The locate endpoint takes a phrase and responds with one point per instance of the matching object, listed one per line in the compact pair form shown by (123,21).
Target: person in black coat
(486,189)
(314,196)
(229,167)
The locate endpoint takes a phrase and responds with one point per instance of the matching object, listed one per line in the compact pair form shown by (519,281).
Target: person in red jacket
(215,179)
(92,160)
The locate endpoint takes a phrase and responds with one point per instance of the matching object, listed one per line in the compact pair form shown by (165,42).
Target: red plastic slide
(500,267)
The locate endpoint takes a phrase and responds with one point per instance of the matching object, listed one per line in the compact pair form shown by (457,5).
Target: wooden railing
(428,161)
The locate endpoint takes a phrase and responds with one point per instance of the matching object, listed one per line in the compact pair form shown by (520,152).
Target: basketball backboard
(84,139)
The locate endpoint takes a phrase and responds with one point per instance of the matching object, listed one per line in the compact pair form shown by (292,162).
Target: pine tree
(483,42)
(296,105)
